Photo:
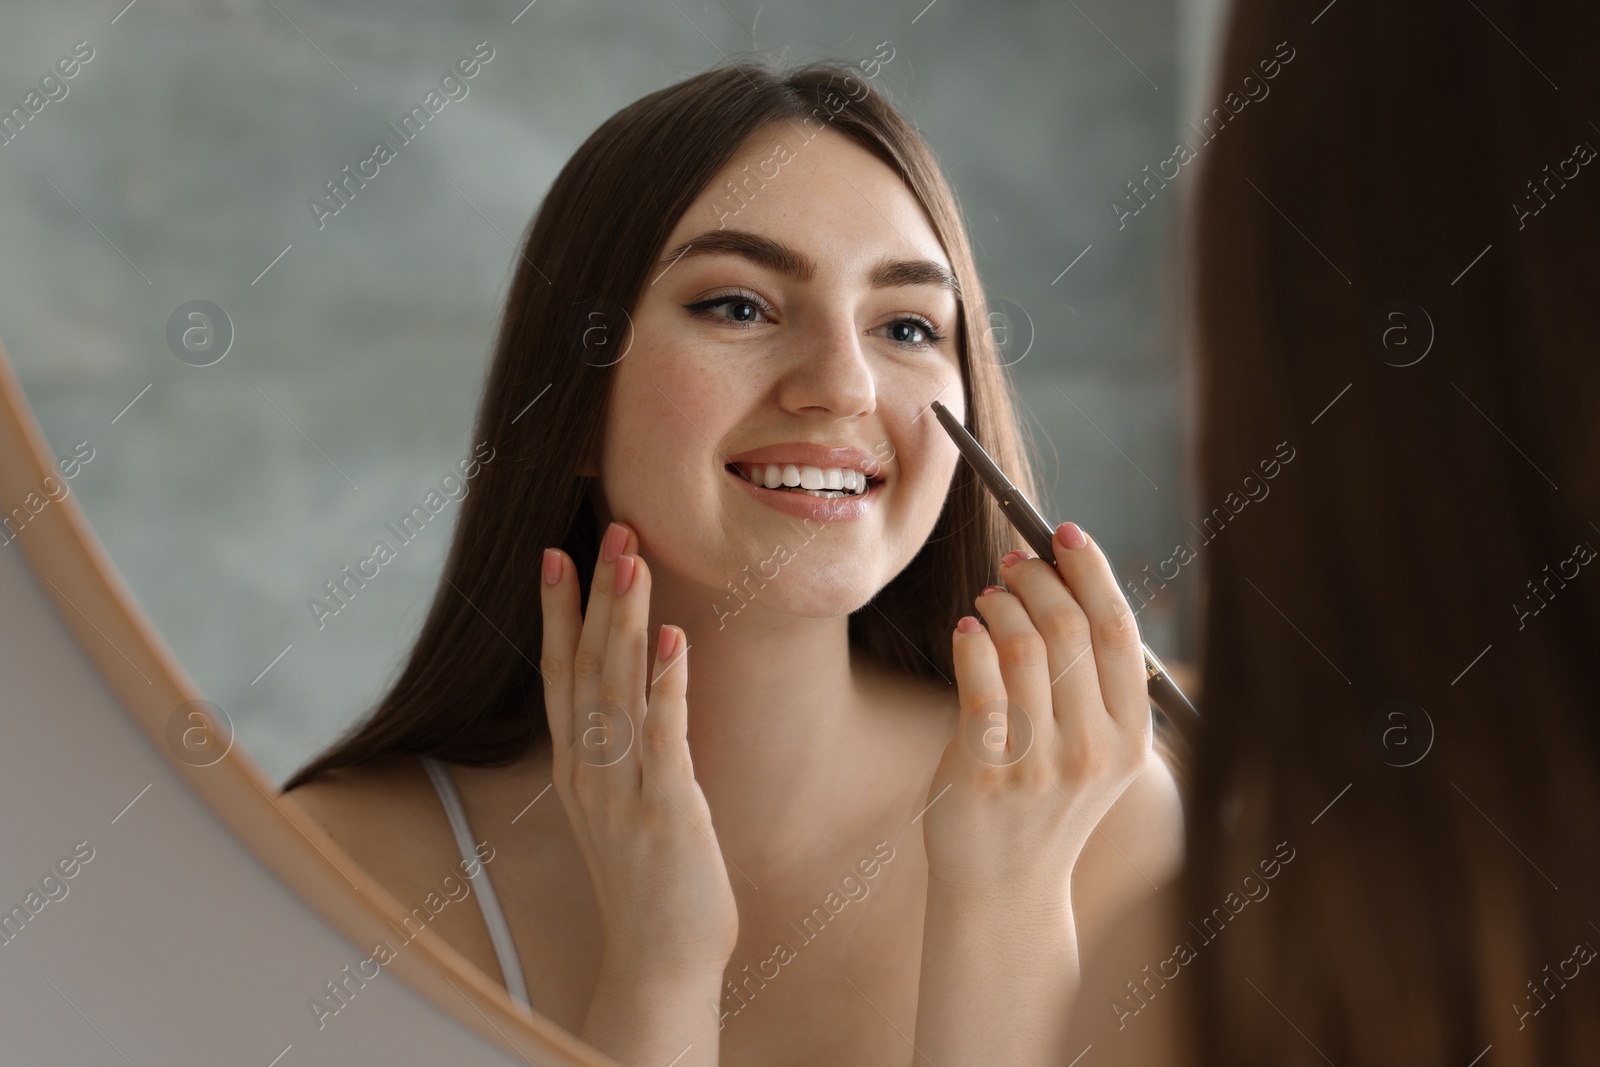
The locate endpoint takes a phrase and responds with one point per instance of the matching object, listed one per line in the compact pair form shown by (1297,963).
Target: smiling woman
(776,371)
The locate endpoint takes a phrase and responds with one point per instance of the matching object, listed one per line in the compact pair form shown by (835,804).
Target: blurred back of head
(1396,277)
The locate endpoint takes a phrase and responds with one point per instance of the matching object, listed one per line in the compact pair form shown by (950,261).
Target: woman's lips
(806,506)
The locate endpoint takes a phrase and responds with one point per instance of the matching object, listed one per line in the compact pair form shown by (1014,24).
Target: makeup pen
(1020,512)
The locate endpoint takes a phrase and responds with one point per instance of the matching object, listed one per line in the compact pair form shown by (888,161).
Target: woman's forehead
(816,205)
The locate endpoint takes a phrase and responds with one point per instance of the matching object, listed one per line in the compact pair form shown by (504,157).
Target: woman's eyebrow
(779,257)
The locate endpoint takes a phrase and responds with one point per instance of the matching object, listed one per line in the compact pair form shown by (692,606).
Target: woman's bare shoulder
(1137,848)
(1150,814)
(1133,1003)
(1135,886)
(386,816)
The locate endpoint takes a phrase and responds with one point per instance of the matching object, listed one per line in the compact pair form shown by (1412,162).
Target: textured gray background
(179,165)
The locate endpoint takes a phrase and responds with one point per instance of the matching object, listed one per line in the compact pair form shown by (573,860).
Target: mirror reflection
(731,298)
(715,504)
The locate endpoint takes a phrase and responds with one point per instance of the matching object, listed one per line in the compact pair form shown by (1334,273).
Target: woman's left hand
(1017,795)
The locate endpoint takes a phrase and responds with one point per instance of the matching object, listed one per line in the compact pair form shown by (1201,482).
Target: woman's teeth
(814,481)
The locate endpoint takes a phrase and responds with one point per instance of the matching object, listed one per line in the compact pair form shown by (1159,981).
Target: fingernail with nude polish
(552,566)
(1015,557)
(1070,535)
(624,574)
(968,625)
(615,540)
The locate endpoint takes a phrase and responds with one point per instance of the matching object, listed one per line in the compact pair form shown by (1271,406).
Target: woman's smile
(809,480)
(820,504)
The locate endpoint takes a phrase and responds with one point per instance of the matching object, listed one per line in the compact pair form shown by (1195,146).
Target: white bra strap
(499,932)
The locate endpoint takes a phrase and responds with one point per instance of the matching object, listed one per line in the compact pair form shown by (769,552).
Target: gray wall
(179,165)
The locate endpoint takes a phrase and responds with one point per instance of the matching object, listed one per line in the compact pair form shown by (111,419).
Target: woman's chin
(749,598)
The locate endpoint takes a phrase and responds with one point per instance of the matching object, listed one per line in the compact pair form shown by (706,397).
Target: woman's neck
(796,740)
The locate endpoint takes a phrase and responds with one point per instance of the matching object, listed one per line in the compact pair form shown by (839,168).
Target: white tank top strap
(499,932)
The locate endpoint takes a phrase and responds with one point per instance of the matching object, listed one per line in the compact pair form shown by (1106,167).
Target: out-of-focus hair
(1426,545)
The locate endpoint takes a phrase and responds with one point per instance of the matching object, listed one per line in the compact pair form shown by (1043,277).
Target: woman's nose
(831,370)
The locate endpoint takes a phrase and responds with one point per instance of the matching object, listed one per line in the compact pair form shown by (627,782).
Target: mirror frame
(141,672)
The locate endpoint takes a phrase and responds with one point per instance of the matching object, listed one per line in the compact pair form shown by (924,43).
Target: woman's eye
(913,333)
(743,309)
(740,310)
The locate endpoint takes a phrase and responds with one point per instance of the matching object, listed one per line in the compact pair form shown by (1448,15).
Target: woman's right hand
(621,765)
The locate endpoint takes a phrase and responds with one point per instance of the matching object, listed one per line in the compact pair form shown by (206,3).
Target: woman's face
(776,325)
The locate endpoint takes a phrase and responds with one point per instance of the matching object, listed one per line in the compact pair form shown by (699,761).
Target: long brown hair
(1419,548)
(470,691)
